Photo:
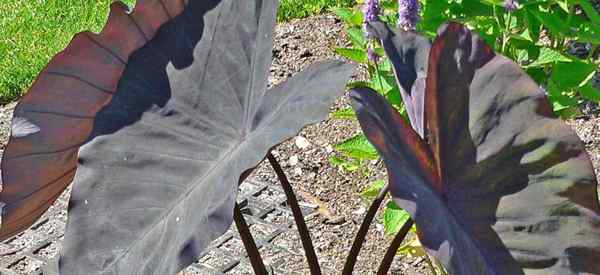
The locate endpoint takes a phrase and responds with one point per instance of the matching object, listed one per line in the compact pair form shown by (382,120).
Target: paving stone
(264,208)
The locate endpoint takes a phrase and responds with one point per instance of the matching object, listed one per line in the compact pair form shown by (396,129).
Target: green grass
(292,9)
(33,31)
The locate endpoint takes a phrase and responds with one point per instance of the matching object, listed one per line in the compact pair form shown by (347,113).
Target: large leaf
(408,53)
(157,178)
(78,82)
(502,186)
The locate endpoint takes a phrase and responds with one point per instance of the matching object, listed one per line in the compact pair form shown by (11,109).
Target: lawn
(291,9)
(32,31)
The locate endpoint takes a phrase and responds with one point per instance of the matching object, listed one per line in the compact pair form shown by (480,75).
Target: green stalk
(505,35)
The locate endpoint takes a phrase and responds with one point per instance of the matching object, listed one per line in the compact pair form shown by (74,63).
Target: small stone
(359,211)
(308,205)
(298,171)
(293,160)
(302,142)
(329,149)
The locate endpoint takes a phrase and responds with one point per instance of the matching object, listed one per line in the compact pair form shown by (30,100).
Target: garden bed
(332,192)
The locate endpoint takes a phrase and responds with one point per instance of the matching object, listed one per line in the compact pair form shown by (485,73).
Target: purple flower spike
(371,10)
(371,13)
(511,5)
(408,14)
(372,55)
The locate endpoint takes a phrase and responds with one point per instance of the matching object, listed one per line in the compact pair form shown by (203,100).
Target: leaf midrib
(219,163)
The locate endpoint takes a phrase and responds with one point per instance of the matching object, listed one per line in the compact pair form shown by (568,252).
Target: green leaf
(347,165)
(358,18)
(588,91)
(537,74)
(393,218)
(477,8)
(414,248)
(570,112)
(358,147)
(563,5)
(389,5)
(347,14)
(547,56)
(357,37)
(385,64)
(572,74)
(382,82)
(497,3)
(552,21)
(589,33)
(590,11)
(435,13)
(522,56)
(393,97)
(357,84)
(359,56)
(372,190)
(533,26)
(559,98)
(346,113)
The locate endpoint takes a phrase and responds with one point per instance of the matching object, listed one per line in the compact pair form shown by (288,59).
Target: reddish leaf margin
(92,64)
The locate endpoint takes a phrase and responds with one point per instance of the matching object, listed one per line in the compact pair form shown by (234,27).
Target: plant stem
(362,232)
(506,34)
(257,263)
(378,76)
(384,267)
(309,250)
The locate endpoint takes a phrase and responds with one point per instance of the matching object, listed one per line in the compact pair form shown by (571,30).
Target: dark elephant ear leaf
(414,183)
(158,179)
(455,56)
(408,53)
(382,123)
(57,115)
(519,193)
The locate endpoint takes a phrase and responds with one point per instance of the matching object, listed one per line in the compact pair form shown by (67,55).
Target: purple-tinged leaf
(56,116)
(408,53)
(517,192)
(167,135)
(454,57)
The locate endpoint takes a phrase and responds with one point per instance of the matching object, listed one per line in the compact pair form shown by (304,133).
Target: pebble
(379,227)
(308,205)
(359,211)
(297,171)
(302,142)
(293,160)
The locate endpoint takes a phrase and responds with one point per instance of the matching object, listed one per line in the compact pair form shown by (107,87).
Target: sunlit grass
(33,31)
(291,9)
